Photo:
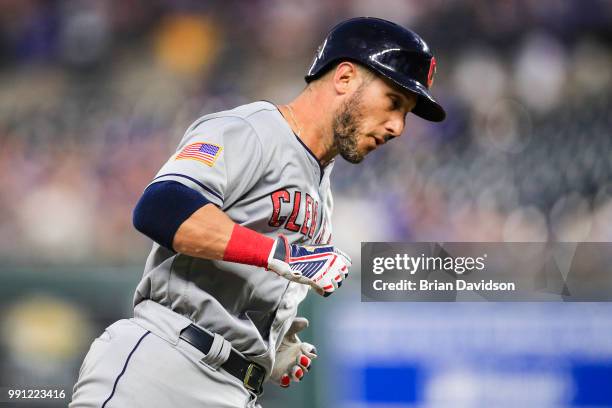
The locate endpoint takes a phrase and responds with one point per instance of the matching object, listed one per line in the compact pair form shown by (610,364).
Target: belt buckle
(249,375)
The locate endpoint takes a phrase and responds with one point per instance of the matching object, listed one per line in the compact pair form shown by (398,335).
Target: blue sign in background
(470,355)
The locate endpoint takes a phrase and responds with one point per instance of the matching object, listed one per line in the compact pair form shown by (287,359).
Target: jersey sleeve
(220,157)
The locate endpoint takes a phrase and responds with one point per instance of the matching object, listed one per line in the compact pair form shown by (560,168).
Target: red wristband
(248,247)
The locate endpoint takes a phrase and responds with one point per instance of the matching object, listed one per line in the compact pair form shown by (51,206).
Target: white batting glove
(322,267)
(293,357)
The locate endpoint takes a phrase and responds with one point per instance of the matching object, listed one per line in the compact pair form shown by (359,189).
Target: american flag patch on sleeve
(206,153)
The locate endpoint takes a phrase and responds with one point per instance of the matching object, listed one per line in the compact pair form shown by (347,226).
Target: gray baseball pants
(132,366)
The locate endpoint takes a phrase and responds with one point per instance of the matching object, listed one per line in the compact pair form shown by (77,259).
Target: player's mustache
(385,137)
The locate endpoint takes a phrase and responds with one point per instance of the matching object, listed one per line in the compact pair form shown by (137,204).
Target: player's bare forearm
(210,234)
(204,234)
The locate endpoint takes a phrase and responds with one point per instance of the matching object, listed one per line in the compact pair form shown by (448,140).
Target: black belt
(252,375)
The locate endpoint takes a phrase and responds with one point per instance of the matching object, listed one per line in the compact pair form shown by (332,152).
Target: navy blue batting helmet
(388,49)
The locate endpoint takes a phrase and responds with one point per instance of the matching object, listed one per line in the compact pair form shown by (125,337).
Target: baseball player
(240,219)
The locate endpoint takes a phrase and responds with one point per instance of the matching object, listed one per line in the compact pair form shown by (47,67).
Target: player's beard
(346,127)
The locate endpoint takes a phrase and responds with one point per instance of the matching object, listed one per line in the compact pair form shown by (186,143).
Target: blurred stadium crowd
(96,94)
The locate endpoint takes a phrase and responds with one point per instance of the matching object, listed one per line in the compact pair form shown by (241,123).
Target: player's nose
(395,125)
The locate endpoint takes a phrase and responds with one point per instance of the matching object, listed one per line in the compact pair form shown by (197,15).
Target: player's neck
(312,121)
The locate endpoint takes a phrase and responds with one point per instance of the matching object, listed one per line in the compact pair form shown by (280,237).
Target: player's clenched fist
(293,357)
(323,267)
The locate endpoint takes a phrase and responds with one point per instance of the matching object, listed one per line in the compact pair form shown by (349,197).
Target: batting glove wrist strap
(322,267)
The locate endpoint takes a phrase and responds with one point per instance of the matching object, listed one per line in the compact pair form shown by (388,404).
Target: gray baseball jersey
(249,163)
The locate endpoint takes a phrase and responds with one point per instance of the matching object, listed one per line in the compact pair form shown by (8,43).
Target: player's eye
(395,103)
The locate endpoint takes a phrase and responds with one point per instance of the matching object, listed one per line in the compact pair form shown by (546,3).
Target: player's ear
(344,77)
